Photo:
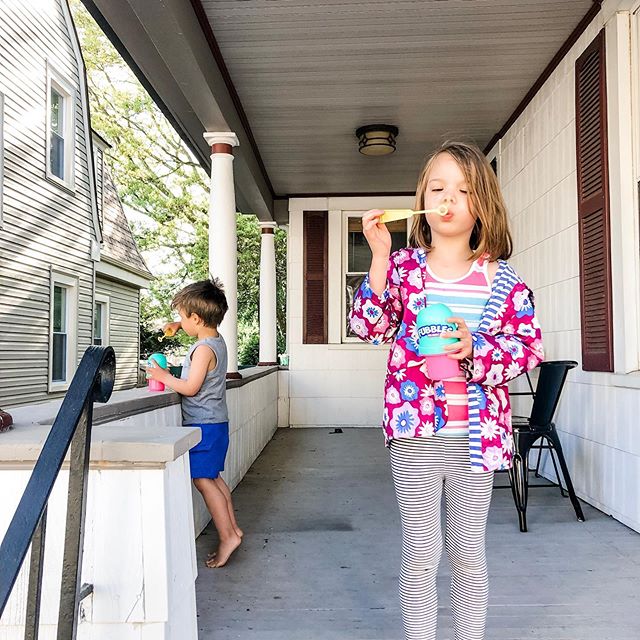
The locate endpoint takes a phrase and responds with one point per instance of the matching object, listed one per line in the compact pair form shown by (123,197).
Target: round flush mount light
(377,139)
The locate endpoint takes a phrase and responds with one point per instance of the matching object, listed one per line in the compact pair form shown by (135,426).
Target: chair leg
(537,470)
(555,468)
(553,437)
(548,446)
(518,476)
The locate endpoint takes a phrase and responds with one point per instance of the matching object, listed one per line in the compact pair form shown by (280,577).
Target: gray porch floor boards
(321,554)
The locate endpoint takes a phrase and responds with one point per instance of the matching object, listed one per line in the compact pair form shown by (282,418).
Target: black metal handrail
(93,382)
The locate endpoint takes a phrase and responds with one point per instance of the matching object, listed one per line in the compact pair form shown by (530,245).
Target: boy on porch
(202,385)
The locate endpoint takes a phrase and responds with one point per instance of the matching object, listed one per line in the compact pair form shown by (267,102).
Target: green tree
(156,174)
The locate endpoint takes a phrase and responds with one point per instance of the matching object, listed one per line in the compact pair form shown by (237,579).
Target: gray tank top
(209,405)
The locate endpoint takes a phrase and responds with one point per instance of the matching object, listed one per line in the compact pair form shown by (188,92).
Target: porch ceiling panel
(309,73)
(295,78)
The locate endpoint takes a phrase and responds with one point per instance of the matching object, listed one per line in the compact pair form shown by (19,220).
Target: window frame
(346,214)
(57,82)
(70,283)
(105,302)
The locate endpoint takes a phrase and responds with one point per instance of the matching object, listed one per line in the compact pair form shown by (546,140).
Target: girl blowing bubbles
(448,435)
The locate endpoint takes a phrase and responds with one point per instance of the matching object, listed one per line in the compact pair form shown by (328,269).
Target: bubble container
(158,359)
(431,323)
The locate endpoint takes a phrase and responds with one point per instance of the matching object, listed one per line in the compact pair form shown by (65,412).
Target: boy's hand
(462,349)
(156,372)
(171,328)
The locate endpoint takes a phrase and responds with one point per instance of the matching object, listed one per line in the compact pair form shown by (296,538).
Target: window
(60,130)
(56,153)
(62,349)
(357,259)
(60,337)
(101,321)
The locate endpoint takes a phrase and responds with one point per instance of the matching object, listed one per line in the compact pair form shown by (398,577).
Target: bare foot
(239,533)
(223,553)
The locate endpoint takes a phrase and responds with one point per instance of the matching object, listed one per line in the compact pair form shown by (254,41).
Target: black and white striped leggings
(421,468)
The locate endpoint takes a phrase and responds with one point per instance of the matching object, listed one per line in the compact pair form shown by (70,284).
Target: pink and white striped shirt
(466,297)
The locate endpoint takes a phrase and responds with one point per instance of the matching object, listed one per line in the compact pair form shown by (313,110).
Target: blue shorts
(206,459)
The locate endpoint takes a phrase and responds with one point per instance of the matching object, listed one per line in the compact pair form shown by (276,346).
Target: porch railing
(93,382)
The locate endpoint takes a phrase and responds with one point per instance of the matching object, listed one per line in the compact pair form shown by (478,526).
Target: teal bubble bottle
(161,360)
(430,324)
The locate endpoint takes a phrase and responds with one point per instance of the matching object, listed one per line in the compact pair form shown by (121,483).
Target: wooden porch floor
(321,555)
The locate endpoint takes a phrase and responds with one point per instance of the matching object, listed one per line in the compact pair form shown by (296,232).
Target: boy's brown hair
(491,233)
(204,298)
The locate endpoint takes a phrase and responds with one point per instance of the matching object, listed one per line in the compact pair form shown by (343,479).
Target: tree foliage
(156,174)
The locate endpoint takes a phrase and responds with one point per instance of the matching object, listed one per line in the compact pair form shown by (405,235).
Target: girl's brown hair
(491,233)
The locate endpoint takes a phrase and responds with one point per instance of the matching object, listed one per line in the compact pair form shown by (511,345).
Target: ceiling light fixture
(377,139)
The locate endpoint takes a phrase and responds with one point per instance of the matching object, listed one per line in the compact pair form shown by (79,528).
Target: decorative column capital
(221,141)
(268,227)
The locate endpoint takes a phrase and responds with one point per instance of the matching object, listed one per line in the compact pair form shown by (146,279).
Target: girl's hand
(377,234)
(462,349)
(156,372)
(171,328)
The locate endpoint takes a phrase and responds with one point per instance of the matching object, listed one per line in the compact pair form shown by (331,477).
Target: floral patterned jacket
(508,342)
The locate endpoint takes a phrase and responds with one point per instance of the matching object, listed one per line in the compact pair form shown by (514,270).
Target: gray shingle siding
(44,225)
(124,310)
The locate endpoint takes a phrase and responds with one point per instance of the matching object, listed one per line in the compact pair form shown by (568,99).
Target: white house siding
(253,419)
(143,573)
(44,226)
(124,311)
(598,414)
(135,511)
(334,384)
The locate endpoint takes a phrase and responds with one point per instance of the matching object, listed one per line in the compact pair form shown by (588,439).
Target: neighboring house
(120,274)
(59,270)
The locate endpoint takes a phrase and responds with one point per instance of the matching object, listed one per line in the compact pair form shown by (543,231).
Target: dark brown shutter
(593,208)
(315,277)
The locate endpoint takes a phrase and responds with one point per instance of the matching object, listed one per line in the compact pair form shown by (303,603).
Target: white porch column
(268,342)
(223,240)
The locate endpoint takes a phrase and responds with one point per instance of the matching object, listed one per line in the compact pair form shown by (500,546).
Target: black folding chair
(539,425)
(542,444)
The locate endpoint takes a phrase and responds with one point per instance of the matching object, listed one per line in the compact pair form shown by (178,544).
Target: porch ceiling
(296,78)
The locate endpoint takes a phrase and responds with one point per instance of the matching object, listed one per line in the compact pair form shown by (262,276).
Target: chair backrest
(550,382)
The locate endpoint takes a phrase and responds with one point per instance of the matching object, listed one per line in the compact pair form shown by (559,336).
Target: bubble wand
(390,215)
(168,333)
